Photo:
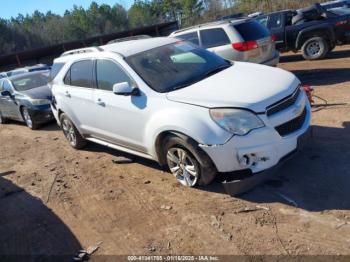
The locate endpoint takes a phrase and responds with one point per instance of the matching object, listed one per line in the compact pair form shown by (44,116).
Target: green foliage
(38,30)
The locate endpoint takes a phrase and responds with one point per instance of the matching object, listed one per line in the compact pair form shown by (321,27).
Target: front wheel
(188,163)
(71,133)
(28,119)
(315,48)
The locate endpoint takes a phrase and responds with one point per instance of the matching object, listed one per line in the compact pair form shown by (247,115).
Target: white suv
(237,40)
(180,105)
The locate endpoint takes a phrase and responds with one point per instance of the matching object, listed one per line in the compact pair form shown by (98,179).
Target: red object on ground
(308,90)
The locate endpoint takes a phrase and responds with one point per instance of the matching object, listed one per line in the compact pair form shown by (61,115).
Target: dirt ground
(56,200)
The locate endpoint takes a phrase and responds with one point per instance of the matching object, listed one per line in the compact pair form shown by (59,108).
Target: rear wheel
(315,48)
(188,163)
(71,133)
(28,119)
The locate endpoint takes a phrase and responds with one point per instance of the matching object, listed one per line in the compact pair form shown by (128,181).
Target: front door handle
(67,94)
(100,102)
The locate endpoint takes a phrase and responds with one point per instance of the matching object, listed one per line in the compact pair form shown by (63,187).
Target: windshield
(29,82)
(175,66)
(340,11)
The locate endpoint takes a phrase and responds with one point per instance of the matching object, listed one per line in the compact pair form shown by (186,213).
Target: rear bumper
(274,61)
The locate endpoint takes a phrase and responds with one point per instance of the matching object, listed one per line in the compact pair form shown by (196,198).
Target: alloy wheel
(314,49)
(69,132)
(182,166)
(27,118)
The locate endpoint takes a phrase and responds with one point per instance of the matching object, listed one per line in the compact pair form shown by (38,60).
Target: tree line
(39,29)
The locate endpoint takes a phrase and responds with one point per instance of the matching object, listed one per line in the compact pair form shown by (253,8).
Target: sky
(11,8)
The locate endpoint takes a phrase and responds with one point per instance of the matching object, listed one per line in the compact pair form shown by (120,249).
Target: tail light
(340,23)
(273,38)
(245,46)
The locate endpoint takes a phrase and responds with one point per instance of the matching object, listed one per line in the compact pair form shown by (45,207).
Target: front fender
(192,121)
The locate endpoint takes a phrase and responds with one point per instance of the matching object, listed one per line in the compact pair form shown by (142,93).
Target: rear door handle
(67,94)
(100,102)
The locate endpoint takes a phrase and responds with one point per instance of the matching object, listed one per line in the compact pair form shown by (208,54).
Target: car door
(76,95)
(9,105)
(275,24)
(118,119)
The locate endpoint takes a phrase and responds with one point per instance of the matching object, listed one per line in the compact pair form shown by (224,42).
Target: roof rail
(202,25)
(81,51)
(124,39)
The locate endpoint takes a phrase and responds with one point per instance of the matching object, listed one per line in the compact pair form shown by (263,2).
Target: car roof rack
(81,51)
(129,38)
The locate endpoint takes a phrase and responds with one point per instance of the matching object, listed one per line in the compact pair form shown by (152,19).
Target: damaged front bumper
(240,186)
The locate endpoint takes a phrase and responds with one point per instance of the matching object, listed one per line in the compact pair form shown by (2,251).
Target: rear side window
(56,68)
(275,21)
(191,37)
(252,30)
(80,74)
(214,37)
(109,73)
(263,20)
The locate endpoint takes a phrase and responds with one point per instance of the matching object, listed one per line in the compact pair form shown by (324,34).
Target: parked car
(180,105)
(336,4)
(26,98)
(340,10)
(315,31)
(34,68)
(235,40)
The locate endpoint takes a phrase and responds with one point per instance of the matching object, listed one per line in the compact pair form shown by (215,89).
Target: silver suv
(237,40)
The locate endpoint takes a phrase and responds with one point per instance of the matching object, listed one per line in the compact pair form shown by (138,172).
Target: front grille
(283,104)
(291,126)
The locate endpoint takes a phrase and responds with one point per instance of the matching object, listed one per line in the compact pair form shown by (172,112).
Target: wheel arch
(325,32)
(160,139)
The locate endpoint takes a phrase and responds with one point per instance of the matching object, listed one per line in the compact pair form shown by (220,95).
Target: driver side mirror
(5,93)
(125,89)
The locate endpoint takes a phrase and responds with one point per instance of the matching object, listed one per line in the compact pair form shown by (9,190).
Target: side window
(275,21)
(109,73)
(66,79)
(1,83)
(191,37)
(81,74)
(214,37)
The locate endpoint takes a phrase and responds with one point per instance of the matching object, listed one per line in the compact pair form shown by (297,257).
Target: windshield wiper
(216,70)
(206,75)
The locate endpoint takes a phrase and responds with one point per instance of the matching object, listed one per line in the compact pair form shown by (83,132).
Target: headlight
(39,102)
(237,121)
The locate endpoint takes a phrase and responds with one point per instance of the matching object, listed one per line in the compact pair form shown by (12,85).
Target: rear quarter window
(252,30)
(190,37)
(214,37)
(56,68)
(80,74)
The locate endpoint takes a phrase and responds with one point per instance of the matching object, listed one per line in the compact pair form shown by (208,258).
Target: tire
(315,48)
(71,133)
(3,120)
(28,119)
(187,162)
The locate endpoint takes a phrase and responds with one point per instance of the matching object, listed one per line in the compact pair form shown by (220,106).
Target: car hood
(243,85)
(41,92)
